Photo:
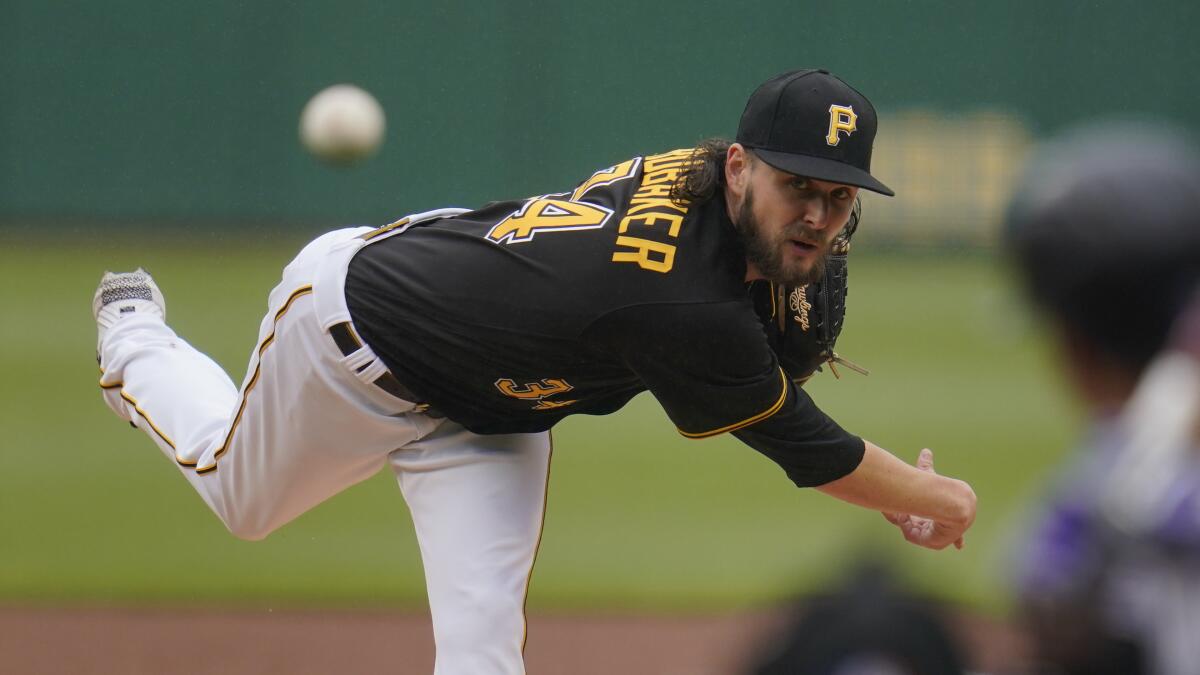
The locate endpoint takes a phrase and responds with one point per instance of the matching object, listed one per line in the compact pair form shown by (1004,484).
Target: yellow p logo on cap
(841,118)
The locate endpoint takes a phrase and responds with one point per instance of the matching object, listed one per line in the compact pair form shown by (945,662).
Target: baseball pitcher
(447,344)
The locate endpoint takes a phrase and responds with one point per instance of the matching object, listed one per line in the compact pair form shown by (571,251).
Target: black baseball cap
(811,123)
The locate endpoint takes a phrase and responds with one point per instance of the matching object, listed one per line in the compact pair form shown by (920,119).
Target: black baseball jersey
(511,317)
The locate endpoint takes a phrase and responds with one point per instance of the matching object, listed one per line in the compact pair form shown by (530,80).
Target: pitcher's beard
(766,252)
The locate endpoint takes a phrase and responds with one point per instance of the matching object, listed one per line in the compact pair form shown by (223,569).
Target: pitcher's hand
(927,532)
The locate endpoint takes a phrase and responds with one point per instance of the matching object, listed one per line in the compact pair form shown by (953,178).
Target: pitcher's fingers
(960,542)
(925,460)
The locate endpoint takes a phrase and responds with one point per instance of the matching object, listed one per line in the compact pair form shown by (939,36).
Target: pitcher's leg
(477,504)
(145,346)
(305,427)
(151,377)
(301,429)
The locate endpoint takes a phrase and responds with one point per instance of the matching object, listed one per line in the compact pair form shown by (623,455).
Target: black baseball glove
(803,322)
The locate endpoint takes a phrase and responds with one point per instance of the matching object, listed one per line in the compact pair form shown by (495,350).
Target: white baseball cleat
(122,294)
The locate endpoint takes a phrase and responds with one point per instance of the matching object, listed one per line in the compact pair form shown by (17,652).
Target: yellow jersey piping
(304,290)
(142,413)
(748,421)
(537,546)
(384,230)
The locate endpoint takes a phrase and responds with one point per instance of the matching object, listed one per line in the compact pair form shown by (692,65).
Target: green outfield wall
(185,113)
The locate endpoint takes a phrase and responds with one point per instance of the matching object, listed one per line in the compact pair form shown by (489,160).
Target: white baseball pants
(308,423)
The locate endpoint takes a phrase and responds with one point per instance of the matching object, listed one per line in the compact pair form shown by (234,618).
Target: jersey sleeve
(811,448)
(710,367)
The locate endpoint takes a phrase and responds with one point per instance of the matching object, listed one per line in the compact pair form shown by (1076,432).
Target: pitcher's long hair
(705,176)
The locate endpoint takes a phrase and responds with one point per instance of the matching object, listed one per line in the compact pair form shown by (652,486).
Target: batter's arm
(931,510)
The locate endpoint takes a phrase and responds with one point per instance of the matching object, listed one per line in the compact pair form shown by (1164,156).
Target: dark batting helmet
(1105,230)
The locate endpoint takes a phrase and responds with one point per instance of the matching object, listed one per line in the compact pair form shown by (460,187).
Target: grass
(639,517)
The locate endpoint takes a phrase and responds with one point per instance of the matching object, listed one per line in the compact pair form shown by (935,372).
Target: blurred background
(165,135)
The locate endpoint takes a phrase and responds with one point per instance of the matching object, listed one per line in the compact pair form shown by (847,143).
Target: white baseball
(342,124)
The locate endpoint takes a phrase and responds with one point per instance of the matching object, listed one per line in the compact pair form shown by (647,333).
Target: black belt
(348,342)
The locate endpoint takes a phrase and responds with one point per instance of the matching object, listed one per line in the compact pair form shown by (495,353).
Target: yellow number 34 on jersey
(544,213)
(561,212)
